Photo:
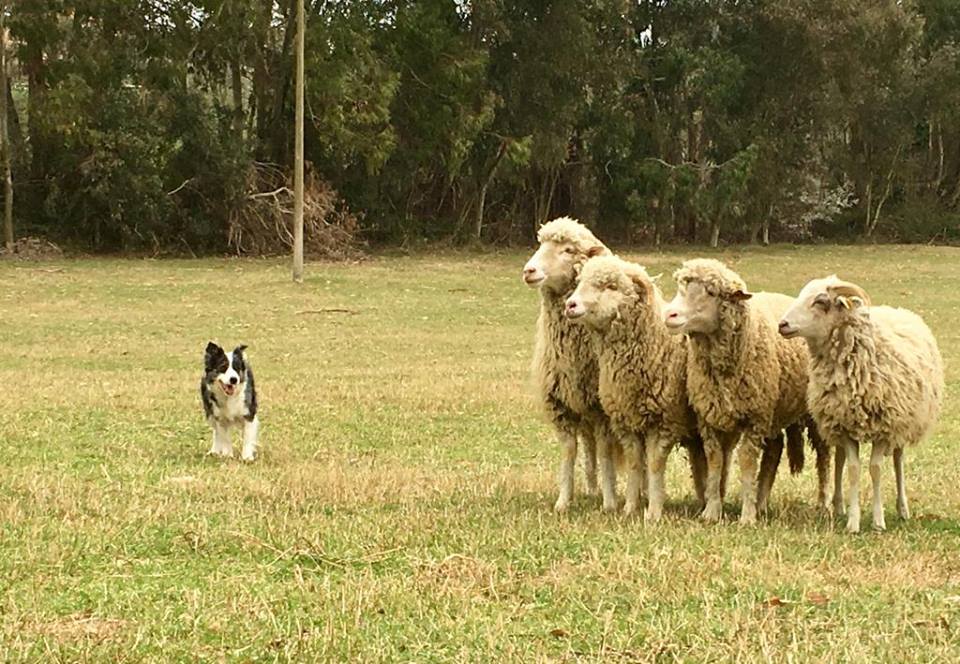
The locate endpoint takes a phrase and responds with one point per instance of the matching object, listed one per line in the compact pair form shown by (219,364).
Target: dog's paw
(248,457)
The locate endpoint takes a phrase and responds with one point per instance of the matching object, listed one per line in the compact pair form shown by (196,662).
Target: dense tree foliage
(162,124)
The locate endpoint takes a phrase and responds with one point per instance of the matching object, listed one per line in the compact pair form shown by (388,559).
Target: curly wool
(564,366)
(567,230)
(878,377)
(643,382)
(745,376)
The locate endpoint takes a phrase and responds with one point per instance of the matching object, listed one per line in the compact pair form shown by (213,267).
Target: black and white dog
(229,400)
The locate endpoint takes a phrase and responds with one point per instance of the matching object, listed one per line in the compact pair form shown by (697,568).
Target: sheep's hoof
(652,515)
(879,526)
(561,506)
(220,454)
(610,508)
(903,511)
(630,509)
(711,513)
(748,519)
(249,458)
(853,526)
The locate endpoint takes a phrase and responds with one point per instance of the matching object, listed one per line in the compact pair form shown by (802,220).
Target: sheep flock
(627,377)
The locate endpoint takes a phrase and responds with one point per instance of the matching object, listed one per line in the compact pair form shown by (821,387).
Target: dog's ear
(213,349)
(240,348)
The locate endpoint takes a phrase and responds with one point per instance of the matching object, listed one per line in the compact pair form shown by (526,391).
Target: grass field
(401,509)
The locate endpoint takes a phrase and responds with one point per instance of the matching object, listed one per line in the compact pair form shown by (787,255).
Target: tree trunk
(236,87)
(714,234)
(5,138)
(298,156)
(766,226)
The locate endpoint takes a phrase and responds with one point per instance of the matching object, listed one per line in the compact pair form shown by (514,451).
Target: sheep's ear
(596,250)
(740,296)
(643,287)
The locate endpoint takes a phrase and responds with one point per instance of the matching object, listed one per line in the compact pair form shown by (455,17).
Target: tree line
(167,125)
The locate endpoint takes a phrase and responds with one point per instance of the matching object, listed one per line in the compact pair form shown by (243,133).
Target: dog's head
(227,372)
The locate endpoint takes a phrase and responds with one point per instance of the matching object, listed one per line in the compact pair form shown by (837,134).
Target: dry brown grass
(401,508)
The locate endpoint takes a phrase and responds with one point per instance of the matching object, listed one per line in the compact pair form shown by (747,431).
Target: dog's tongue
(228,388)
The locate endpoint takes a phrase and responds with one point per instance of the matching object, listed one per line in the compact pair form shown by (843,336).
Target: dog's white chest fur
(229,409)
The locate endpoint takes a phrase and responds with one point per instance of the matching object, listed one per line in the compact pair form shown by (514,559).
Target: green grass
(401,509)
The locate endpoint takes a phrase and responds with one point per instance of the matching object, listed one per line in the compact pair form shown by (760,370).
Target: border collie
(229,400)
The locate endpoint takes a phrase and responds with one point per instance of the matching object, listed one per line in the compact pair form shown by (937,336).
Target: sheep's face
(554,266)
(696,308)
(822,305)
(604,287)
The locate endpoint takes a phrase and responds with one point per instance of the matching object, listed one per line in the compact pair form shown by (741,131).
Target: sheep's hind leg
(608,471)
(903,509)
(749,454)
(853,480)
(876,473)
(823,468)
(714,451)
(769,462)
(589,442)
(839,460)
(657,449)
(568,451)
(633,449)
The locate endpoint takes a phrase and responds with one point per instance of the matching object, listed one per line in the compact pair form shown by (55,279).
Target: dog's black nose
(233,380)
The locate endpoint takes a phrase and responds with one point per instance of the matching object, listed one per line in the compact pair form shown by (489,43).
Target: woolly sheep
(876,375)
(745,383)
(565,368)
(643,383)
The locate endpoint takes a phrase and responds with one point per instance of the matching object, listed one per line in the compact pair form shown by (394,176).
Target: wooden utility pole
(4,137)
(298,157)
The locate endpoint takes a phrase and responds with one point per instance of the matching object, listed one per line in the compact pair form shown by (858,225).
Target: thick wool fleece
(564,358)
(745,376)
(643,383)
(878,378)
(643,377)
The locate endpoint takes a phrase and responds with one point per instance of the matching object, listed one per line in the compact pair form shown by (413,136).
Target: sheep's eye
(612,286)
(822,302)
(569,250)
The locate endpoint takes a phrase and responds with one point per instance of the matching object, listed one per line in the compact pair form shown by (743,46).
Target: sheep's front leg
(250,431)
(902,508)
(636,472)
(839,459)
(852,449)
(769,462)
(589,442)
(658,448)
(713,449)
(608,471)
(876,473)
(222,447)
(568,458)
(749,456)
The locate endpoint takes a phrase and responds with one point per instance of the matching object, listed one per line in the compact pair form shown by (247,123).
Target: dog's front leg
(222,446)
(250,430)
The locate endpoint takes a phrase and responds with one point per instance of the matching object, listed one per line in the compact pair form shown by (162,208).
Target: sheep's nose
(528,271)
(571,305)
(671,315)
(784,325)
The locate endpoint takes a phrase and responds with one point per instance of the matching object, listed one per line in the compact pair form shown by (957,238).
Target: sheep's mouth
(228,389)
(788,332)
(575,313)
(674,324)
(533,282)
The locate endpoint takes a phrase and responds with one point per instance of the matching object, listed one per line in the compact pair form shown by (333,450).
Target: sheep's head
(822,305)
(705,287)
(606,284)
(565,244)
